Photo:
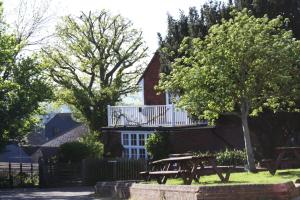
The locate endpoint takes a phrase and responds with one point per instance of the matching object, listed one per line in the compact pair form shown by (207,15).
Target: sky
(148,15)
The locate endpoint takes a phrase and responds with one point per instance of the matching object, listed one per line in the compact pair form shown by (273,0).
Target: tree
(23,85)
(195,24)
(243,66)
(95,61)
(273,8)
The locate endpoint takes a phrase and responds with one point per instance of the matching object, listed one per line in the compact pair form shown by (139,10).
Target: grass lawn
(245,178)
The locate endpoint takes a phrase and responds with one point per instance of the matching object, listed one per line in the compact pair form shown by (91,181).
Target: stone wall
(138,191)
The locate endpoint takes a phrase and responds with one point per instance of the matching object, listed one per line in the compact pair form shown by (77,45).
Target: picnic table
(188,168)
(282,152)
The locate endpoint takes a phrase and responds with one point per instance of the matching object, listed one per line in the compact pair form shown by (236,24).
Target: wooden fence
(55,174)
(94,170)
(89,171)
(18,174)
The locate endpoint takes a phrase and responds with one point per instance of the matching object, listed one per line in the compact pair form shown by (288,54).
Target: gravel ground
(74,193)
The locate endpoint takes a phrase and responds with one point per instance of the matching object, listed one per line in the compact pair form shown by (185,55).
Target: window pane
(134,153)
(125,139)
(133,140)
(142,153)
(141,140)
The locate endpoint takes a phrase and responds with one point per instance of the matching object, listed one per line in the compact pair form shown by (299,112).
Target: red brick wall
(139,191)
(151,78)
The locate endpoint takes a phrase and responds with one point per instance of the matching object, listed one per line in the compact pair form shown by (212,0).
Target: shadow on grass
(289,174)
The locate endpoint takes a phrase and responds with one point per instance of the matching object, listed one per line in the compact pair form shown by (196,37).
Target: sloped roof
(156,54)
(70,136)
(14,153)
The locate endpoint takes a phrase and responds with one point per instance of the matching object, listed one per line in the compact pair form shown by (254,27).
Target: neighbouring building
(129,126)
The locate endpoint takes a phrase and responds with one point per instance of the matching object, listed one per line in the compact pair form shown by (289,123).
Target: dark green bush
(157,145)
(73,152)
(231,157)
(227,157)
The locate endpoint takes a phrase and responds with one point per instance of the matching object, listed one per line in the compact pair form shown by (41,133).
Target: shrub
(73,152)
(92,141)
(231,157)
(157,145)
(227,157)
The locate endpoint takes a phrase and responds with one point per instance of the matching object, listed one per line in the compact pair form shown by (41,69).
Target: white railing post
(109,115)
(172,114)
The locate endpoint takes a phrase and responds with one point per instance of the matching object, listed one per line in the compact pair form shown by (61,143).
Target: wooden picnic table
(188,168)
(282,152)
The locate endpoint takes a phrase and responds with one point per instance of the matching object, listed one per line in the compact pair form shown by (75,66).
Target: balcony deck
(149,116)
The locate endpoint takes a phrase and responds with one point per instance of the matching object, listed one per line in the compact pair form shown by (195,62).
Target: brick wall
(138,191)
(151,78)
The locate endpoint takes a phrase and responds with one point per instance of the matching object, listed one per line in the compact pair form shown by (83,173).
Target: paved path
(74,193)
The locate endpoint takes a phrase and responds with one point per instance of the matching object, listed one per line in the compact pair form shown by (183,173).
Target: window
(142,153)
(134,153)
(125,139)
(141,140)
(134,144)
(133,139)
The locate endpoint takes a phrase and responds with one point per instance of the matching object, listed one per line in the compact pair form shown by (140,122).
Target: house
(14,153)
(130,126)
(59,128)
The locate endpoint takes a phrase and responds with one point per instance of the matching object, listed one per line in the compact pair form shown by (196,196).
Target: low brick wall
(137,191)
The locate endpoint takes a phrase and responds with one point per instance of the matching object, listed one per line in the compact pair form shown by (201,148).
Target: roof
(149,64)
(70,136)
(14,153)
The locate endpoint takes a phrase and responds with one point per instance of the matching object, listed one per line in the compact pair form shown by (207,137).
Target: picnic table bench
(282,152)
(188,168)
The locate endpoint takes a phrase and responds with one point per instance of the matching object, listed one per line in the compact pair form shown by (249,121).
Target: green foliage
(92,141)
(231,157)
(195,24)
(243,66)
(23,85)
(73,152)
(95,60)
(157,145)
(273,8)
(243,59)
(227,157)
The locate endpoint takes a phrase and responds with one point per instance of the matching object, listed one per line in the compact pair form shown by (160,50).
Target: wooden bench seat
(168,172)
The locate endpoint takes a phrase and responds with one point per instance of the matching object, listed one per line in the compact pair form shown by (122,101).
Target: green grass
(245,178)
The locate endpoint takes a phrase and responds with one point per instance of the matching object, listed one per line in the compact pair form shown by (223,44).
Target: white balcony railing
(153,115)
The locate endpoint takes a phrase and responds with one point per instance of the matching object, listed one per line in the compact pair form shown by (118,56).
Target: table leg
(218,172)
(277,163)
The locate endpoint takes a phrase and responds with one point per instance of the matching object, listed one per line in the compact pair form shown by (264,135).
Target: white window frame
(137,146)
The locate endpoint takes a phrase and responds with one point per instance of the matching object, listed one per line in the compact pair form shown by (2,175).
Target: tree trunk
(247,139)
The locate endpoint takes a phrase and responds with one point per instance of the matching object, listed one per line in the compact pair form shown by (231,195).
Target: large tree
(288,9)
(194,24)
(95,61)
(23,85)
(244,65)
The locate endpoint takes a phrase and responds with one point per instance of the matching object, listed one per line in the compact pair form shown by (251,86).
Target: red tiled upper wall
(151,78)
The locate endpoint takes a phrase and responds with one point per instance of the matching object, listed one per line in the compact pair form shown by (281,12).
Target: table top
(183,158)
(287,148)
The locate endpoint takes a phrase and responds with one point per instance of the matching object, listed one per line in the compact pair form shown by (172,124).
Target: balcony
(150,116)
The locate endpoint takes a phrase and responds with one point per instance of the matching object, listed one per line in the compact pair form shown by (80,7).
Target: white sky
(148,15)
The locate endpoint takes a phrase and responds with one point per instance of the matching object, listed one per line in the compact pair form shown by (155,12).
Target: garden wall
(138,191)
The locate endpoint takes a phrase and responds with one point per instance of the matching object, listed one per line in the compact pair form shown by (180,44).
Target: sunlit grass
(245,178)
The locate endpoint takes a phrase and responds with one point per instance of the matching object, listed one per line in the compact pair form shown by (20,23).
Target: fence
(94,170)
(56,174)
(149,115)
(18,174)
(89,171)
